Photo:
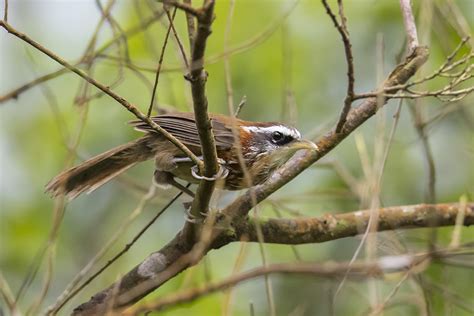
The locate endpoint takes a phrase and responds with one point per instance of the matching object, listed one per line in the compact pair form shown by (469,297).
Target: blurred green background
(292,70)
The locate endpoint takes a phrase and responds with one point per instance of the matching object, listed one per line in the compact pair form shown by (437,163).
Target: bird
(264,147)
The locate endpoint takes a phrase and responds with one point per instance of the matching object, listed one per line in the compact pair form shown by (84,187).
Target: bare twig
(343,31)
(5,13)
(160,62)
(190,24)
(198,77)
(178,41)
(238,49)
(430,195)
(448,69)
(410,26)
(72,290)
(185,7)
(132,31)
(456,235)
(240,106)
(105,89)
(7,296)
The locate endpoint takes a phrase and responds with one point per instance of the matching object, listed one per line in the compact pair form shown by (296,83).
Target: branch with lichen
(330,227)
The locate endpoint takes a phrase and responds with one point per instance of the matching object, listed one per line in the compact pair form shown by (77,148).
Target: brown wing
(183,127)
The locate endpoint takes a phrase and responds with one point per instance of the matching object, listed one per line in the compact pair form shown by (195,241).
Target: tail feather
(100,169)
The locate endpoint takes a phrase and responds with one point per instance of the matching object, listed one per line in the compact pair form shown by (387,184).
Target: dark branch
(198,78)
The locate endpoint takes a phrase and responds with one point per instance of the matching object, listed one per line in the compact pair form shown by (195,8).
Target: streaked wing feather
(183,127)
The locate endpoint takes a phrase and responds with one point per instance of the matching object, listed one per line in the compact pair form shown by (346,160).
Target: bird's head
(276,142)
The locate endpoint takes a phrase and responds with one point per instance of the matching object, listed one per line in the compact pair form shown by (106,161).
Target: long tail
(98,170)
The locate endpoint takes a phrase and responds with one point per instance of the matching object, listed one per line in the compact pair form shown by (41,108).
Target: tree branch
(410,26)
(344,32)
(160,61)
(186,7)
(198,78)
(331,227)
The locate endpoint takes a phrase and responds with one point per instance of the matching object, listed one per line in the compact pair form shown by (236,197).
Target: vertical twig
(160,62)
(198,77)
(289,112)
(190,24)
(343,31)
(5,14)
(430,195)
(178,40)
(410,26)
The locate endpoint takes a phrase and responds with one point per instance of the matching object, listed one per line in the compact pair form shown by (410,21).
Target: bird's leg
(165,179)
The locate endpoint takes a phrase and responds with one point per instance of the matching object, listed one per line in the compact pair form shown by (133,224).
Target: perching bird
(265,146)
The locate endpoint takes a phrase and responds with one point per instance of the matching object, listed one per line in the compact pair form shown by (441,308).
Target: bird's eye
(277,137)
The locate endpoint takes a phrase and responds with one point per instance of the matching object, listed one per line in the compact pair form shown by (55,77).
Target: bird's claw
(222,173)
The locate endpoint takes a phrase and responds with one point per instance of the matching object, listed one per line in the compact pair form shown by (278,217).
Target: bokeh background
(289,69)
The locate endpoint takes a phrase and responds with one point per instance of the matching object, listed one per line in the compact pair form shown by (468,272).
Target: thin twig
(178,41)
(343,31)
(7,295)
(430,195)
(54,74)
(185,7)
(410,26)
(106,90)
(240,106)
(445,70)
(190,25)
(160,62)
(5,14)
(72,291)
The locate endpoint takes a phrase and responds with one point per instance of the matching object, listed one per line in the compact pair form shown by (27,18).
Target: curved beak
(304,144)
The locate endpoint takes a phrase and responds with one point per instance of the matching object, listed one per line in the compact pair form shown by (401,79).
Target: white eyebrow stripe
(293,132)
